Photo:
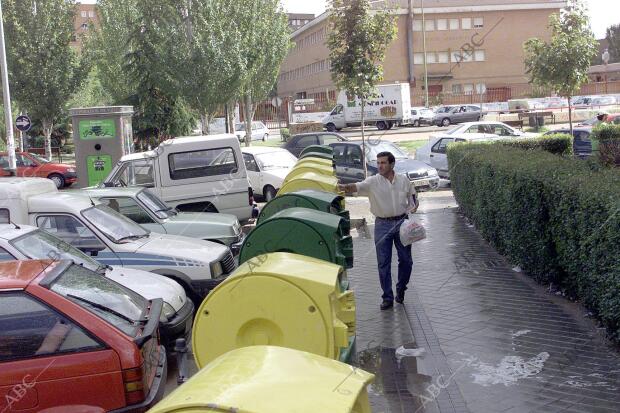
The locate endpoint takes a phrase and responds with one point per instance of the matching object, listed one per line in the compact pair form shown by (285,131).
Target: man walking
(391,197)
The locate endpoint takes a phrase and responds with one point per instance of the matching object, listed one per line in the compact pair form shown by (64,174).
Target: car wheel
(269,193)
(381,125)
(445,122)
(58,180)
(416,123)
(265,136)
(331,127)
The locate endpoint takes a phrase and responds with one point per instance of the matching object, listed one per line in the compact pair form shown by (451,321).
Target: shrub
(68,149)
(558,143)
(558,218)
(607,137)
(285,134)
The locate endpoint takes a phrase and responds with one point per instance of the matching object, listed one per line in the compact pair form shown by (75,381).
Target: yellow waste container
(268,379)
(310,180)
(315,161)
(279,299)
(314,168)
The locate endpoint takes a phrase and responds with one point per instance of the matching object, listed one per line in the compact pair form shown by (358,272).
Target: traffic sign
(276,102)
(23,123)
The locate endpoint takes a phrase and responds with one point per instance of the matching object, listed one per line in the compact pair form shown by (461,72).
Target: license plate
(423,182)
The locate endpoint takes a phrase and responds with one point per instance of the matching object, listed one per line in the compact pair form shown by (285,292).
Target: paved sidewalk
(482,336)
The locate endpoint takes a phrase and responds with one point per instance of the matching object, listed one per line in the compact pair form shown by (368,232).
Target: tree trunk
(248,115)
(204,124)
(570,116)
(364,141)
(47,132)
(232,105)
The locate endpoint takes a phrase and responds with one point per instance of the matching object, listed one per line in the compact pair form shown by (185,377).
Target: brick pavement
(493,341)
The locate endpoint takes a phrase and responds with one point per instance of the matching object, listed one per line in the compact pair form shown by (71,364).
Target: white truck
(390,105)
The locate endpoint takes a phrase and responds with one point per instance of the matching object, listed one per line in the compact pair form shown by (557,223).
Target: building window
(84,13)
(431,57)
(467,56)
(429,25)
(443,57)
(417,25)
(478,22)
(457,89)
(442,24)
(456,57)
(466,23)
(454,24)
(481,88)
(418,58)
(468,88)
(479,56)
(91,14)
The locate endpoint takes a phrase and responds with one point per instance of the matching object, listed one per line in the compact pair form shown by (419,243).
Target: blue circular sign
(23,123)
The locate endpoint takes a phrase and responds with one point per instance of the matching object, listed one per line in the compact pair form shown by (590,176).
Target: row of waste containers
(277,334)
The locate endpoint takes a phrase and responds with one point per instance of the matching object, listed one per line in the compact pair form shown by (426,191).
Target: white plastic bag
(411,231)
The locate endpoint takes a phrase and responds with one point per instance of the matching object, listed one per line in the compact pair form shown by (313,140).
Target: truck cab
(191,174)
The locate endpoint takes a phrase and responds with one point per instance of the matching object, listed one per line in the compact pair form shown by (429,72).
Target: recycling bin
(314,168)
(311,199)
(270,379)
(310,180)
(302,231)
(278,299)
(315,161)
(320,155)
(318,148)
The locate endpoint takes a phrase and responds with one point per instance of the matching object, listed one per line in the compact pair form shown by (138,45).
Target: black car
(582,144)
(297,143)
(349,169)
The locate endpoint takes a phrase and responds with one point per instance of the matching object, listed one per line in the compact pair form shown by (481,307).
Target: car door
(339,160)
(135,211)
(254,175)
(75,232)
(472,114)
(439,159)
(44,353)
(302,142)
(353,167)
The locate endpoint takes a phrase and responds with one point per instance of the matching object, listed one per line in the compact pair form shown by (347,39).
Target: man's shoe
(386,304)
(400,296)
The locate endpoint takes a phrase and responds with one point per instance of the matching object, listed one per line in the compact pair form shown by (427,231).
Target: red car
(31,165)
(71,340)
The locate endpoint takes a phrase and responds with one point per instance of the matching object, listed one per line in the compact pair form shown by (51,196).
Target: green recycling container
(307,198)
(320,155)
(302,231)
(318,149)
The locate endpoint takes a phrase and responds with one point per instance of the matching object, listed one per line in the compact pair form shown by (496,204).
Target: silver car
(259,131)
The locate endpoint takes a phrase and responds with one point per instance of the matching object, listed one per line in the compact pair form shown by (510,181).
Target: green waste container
(320,155)
(302,231)
(308,198)
(317,149)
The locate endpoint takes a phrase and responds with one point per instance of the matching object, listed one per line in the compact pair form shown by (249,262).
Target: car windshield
(114,303)
(373,150)
(39,245)
(156,205)
(115,226)
(38,158)
(240,126)
(275,160)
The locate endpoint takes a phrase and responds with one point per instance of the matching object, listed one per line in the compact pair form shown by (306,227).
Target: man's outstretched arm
(347,188)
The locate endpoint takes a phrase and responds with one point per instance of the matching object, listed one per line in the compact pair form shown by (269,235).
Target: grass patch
(411,146)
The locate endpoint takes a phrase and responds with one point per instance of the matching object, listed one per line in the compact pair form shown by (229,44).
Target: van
(191,174)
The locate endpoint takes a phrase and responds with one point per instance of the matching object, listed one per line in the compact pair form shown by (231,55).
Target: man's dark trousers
(386,234)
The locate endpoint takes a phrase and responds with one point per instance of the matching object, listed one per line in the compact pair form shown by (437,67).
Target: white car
(113,238)
(25,243)
(267,168)
(259,131)
(487,128)
(421,116)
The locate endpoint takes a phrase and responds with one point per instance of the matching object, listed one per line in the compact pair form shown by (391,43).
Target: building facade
(298,20)
(85,14)
(471,47)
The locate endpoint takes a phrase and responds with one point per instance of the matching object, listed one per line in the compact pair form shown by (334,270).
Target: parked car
(114,239)
(297,143)
(191,174)
(458,114)
(31,165)
(89,343)
(434,152)
(259,131)
(582,142)
(421,116)
(611,118)
(145,208)
(25,242)
(267,168)
(487,128)
(349,168)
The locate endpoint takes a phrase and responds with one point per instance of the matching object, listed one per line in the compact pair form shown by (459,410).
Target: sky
(603,13)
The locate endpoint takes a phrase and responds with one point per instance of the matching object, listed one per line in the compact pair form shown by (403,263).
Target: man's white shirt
(388,199)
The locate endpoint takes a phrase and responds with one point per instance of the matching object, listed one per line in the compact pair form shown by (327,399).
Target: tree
(562,64)
(44,70)
(613,39)
(358,40)
(265,40)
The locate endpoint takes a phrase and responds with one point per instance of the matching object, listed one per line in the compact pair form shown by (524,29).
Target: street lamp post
(605,58)
(8,116)
(424,51)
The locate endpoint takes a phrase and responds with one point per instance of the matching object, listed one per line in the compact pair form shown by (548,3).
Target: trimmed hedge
(555,217)
(606,140)
(558,143)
